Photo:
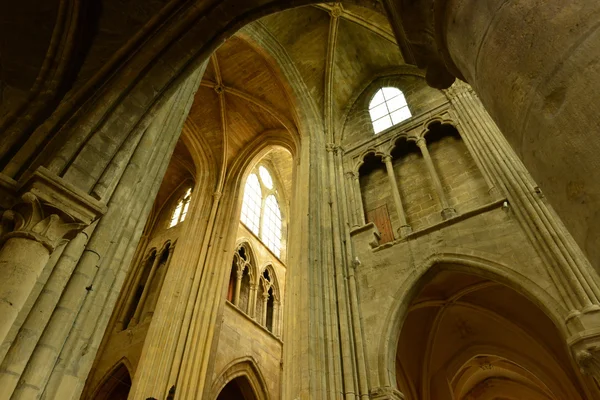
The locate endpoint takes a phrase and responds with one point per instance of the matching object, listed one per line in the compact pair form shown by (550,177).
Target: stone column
(252,300)
(146,291)
(447,211)
(541,86)
(405,228)
(569,269)
(349,182)
(239,274)
(360,209)
(265,300)
(276,318)
(48,213)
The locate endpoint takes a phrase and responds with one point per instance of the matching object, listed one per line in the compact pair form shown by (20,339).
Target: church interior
(288,199)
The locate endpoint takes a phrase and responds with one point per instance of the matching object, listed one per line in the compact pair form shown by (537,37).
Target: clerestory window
(180,211)
(260,209)
(388,108)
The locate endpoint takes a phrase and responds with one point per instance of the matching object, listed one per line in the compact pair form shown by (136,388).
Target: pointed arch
(466,261)
(247,368)
(116,383)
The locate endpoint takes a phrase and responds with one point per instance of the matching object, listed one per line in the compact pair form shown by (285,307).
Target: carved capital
(48,210)
(333,148)
(33,219)
(386,393)
(457,89)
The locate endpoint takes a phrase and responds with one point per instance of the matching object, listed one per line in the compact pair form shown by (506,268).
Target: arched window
(252,203)
(267,304)
(240,280)
(388,108)
(181,210)
(260,209)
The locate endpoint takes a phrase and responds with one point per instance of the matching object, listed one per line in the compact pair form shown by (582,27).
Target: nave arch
(246,375)
(464,289)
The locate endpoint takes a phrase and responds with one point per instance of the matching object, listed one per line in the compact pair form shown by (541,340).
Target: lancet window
(239,291)
(387,108)
(260,209)
(180,211)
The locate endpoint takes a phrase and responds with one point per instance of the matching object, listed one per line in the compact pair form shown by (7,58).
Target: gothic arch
(120,371)
(469,262)
(242,367)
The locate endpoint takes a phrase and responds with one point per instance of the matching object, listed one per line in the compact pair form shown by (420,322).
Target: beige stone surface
(487,287)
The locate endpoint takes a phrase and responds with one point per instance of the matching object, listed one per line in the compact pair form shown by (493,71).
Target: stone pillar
(146,291)
(239,274)
(541,86)
(360,209)
(252,300)
(49,213)
(352,197)
(265,300)
(405,229)
(447,211)
(569,269)
(276,318)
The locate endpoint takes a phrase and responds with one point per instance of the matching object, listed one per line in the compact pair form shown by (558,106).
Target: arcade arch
(467,337)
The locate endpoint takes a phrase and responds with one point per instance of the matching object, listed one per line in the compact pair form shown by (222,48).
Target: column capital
(457,89)
(333,148)
(386,158)
(386,393)
(421,142)
(48,210)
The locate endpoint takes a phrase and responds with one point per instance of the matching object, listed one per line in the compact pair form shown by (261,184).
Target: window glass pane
(396,103)
(382,124)
(176,214)
(400,115)
(393,110)
(252,203)
(271,230)
(265,177)
(185,210)
(390,92)
(378,112)
(377,99)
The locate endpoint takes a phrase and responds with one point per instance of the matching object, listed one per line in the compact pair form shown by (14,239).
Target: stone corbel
(586,351)
(48,210)
(386,393)
(367,233)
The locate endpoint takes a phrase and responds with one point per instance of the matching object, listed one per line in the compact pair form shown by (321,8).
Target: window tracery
(180,211)
(260,209)
(388,108)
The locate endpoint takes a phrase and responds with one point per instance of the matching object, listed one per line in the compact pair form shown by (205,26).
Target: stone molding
(48,210)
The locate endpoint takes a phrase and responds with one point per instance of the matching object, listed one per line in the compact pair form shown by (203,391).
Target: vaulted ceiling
(337,51)
(481,340)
